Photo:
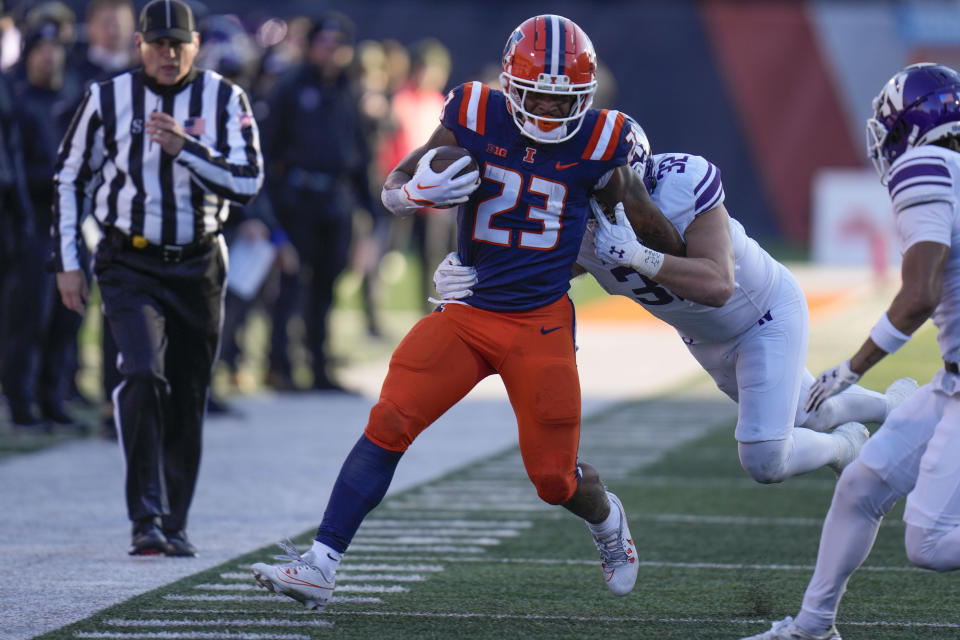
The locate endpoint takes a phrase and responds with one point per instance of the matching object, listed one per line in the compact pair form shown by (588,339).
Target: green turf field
(477,555)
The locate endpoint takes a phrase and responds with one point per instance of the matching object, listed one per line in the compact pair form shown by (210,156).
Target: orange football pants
(452,349)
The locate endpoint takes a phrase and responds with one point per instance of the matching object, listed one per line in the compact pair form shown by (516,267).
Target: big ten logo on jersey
(671,163)
(493,149)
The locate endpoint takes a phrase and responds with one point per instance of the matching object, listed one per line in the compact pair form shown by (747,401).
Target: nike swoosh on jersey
(560,166)
(545,331)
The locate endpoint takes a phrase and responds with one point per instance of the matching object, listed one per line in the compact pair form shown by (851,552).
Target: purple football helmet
(919,105)
(640,156)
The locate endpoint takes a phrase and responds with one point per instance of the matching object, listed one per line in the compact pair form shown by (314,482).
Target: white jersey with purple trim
(923,176)
(686,186)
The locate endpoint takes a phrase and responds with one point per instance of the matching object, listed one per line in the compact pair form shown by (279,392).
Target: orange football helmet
(549,55)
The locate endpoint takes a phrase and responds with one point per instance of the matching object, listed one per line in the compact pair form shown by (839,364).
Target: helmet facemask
(542,128)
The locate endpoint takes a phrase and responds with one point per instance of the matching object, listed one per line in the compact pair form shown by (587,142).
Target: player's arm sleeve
(74,168)
(929,222)
(234,172)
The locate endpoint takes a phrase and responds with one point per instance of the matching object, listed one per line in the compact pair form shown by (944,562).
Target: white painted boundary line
(349,588)
(347,575)
(217,622)
(173,635)
(536,616)
(271,598)
(671,565)
(350,564)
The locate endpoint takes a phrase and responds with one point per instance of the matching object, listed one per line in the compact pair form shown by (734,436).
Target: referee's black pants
(165,317)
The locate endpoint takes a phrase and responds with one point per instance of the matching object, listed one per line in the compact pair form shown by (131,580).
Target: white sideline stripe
(537,616)
(271,598)
(201,635)
(422,540)
(379,577)
(465,524)
(218,622)
(670,565)
(350,588)
(348,565)
(347,574)
(372,548)
(740,520)
(303,612)
(405,531)
(881,623)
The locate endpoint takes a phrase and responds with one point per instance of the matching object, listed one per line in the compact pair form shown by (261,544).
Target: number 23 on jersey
(511,187)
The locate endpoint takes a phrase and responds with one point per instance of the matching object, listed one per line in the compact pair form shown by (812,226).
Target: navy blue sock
(361,485)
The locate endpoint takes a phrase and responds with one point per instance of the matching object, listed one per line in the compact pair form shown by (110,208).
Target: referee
(160,150)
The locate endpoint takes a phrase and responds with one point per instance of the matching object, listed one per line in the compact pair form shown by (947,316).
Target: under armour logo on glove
(616,252)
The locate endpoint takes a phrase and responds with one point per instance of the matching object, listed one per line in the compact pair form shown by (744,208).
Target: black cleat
(178,546)
(147,538)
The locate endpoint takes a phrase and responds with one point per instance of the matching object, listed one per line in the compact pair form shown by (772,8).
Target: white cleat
(297,579)
(787,629)
(619,554)
(898,391)
(850,437)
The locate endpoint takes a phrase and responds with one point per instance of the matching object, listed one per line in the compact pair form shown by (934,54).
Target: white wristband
(646,261)
(886,336)
(397,202)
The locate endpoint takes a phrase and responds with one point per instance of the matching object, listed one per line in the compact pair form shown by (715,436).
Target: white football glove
(614,243)
(452,279)
(617,243)
(830,383)
(427,188)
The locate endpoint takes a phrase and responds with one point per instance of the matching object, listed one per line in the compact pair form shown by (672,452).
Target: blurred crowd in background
(335,115)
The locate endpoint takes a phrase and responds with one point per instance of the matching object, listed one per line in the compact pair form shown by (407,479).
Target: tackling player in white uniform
(914,140)
(741,314)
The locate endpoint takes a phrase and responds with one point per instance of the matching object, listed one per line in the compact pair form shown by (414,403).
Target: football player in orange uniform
(542,153)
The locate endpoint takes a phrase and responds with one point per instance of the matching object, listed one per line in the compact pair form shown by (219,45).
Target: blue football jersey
(523,225)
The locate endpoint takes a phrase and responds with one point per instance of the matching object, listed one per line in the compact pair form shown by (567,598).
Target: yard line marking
(379,577)
(537,616)
(425,540)
(445,548)
(663,565)
(350,588)
(303,612)
(436,531)
(265,598)
(236,622)
(347,574)
(466,524)
(202,635)
(743,520)
(350,564)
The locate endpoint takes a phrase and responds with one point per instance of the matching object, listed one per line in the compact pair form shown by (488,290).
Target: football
(447,155)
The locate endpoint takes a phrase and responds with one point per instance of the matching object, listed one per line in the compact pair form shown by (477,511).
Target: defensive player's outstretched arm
(651,226)
(702,271)
(922,285)
(413,184)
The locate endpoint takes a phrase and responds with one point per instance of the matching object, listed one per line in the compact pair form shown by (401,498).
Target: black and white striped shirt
(138,189)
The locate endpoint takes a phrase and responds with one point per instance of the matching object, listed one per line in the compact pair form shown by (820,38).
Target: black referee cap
(167,19)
